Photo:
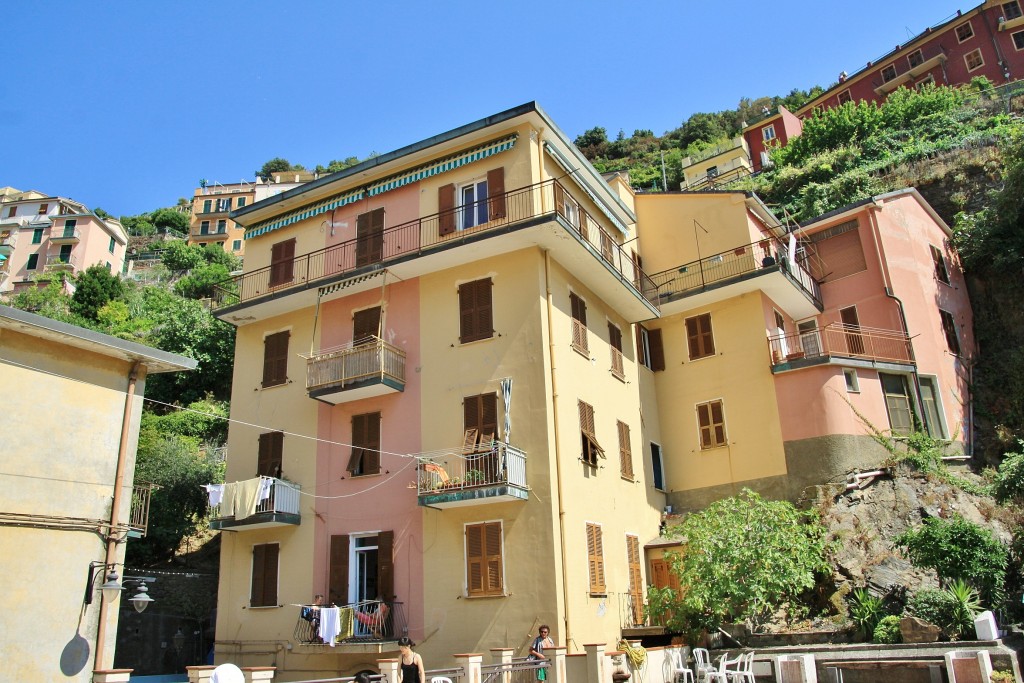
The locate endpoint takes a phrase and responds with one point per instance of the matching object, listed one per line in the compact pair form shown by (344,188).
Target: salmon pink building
(985,41)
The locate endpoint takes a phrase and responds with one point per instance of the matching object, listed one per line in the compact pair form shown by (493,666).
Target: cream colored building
(211,222)
(717,165)
(435,365)
(69,503)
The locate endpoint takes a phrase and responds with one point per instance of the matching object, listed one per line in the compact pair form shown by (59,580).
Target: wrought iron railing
(438,231)
(631,611)
(487,465)
(519,670)
(375,359)
(766,254)
(719,180)
(371,621)
(66,234)
(837,339)
(199,232)
(138,517)
(61,262)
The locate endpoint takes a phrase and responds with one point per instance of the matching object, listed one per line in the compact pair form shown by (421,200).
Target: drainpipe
(558,459)
(887,288)
(115,508)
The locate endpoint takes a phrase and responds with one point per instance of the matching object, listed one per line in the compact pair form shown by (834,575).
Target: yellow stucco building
(69,501)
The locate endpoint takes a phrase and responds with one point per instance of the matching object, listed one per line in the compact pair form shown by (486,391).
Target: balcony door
(361,569)
(851,322)
(365,325)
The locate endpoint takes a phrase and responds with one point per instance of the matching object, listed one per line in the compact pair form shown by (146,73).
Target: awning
(569,168)
(327,290)
(444,165)
(305,212)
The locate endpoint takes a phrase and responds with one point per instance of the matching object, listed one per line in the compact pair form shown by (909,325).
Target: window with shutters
(657,467)
(636,583)
(365,458)
(941,273)
(931,406)
(964,32)
(481,413)
(263,590)
(37,234)
(370,237)
(567,207)
(471,199)
(595,559)
(711,424)
(700,340)
(588,435)
(204,228)
(888,73)
(361,567)
(476,311)
(472,203)
(949,329)
(974,60)
(625,451)
(643,346)
(485,571)
(615,342)
(275,359)
(579,324)
(33,262)
(650,350)
(836,252)
(271,449)
(365,325)
(282,262)
(1011,10)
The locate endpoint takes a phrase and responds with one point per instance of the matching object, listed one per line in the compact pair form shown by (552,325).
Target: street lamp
(111,587)
(140,600)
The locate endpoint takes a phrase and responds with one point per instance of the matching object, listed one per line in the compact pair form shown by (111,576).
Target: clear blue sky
(126,105)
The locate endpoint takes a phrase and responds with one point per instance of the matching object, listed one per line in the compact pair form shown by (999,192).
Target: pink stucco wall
(814,402)
(378,502)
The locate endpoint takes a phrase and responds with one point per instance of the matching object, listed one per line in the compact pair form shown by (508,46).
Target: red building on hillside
(985,41)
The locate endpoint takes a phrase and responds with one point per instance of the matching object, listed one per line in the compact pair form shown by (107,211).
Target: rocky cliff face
(865,521)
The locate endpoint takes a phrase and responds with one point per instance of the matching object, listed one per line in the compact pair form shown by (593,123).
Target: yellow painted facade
(61,458)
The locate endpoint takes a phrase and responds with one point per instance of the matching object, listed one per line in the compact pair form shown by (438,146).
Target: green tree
(169,219)
(101,213)
(743,558)
(275,165)
(958,549)
(1008,480)
(180,255)
(337,165)
(50,300)
(702,126)
(216,254)
(94,288)
(139,226)
(199,284)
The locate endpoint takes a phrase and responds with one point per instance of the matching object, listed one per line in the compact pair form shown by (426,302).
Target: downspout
(557,449)
(887,288)
(115,509)
(983,15)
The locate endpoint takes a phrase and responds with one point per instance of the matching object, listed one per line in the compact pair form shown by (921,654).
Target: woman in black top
(410,668)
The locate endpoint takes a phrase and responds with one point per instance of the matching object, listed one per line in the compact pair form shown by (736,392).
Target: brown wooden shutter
(484,575)
(269,461)
(636,586)
(595,558)
(386,565)
(699,337)
(657,349)
(625,451)
(615,341)
(365,457)
(264,575)
(282,261)
(337,588)
(365,324)
(476,311)
(369,237)
(718,422)
(579,321)
(446,209)
(496,193)
(704,421)
(275,359)
(481,413)
(559,199)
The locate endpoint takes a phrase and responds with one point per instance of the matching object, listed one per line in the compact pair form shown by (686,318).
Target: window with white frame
(1011,10)
(915,58)
(974,60)
(931,406)
(852,382)
(1018,40)
(889,73)
(472,203)
(768,132)
(964,32)
(844,97)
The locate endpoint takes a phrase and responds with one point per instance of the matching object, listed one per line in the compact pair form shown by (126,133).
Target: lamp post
(111,587)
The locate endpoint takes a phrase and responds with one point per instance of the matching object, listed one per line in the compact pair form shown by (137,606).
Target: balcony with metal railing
(138,517)
(836,343)
(279,508)
(374,624)
(66,236)
(493,472)
(209,233)
(8,241)
(761,265)
(61,263)
(540,215)
(353,372)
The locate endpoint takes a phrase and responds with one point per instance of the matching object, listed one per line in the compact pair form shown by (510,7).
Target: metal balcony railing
(438,231)
(367,360)
(61,262)
(138,518)
(497,464)
(837,339)
(371,621)
(284,498)
(765,254)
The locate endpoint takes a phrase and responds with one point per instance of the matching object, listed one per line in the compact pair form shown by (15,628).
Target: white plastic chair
(702,663)
(440,679)
(744,669)
(679,668)
(721,673)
